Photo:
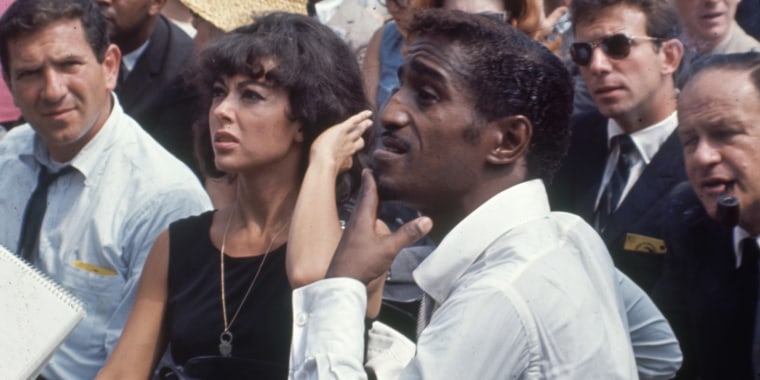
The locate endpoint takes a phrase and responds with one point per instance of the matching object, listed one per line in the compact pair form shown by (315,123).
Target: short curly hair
(508,73)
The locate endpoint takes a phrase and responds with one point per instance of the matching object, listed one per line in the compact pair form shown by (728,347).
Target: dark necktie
(35,212)
(614,189)
(747,277)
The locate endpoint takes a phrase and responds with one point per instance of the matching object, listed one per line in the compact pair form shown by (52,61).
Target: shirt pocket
(100,294)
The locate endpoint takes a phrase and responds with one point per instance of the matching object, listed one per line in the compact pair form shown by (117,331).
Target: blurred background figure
(212,18)
(177,12)
(9,115)
(710,27)
(151,87)
(353,20)
(748,17)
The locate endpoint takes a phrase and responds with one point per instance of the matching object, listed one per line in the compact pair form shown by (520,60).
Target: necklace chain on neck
(227,326)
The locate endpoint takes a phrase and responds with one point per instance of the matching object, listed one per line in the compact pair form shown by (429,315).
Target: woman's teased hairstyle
(315,67)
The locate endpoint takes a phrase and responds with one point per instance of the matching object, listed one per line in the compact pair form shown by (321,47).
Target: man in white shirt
(624,159)
(512,290)
(85,190)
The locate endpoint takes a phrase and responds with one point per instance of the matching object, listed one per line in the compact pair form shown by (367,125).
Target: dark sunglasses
(616,46)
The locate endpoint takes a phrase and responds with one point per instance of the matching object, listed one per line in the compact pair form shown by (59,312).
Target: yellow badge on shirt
(94,268)
(646,244)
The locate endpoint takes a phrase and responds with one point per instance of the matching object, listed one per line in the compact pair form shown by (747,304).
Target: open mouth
(224,137)
(57,113)
(393,144)
(711,16)
(717,186)
(607,89)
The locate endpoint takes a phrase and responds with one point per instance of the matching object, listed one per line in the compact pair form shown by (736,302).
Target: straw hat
(230,14)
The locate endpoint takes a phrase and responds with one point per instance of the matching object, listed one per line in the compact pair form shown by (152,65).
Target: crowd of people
(411,189)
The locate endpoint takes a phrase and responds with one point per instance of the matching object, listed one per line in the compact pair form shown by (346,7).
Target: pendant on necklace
(225,344)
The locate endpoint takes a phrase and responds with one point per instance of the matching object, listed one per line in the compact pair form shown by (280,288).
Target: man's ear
(672,52)
(510,138)
(111,63)
(156,6)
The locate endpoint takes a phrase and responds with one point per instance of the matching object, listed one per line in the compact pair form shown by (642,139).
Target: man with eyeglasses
(625,158)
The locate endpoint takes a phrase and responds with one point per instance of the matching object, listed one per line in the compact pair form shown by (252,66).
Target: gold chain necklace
(225,338)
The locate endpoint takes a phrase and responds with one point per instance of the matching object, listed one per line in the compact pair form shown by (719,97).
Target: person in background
(354,20)
(709,290)
(625,157)
(710,27)
(151,87)
(9,114)
(747,15)
(86,190)
(178,13)
(215,289)
(212,18)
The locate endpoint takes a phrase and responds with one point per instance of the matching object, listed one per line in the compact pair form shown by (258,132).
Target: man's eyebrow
(423,69)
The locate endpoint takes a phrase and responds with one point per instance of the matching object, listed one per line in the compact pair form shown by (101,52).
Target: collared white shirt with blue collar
(99,225)
(520,293)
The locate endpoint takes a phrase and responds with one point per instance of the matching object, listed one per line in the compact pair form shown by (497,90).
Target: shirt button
(301,319)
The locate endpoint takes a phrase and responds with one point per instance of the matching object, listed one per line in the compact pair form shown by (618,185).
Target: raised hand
(367,248)
(337,144)
(539,26)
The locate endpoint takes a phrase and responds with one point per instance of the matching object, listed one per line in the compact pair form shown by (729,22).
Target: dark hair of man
(662,19)
(743,62)
(516,8)
(316,68)
(507,73)
(29,16)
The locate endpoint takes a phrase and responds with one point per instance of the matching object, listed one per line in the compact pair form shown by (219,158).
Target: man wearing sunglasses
(625,158)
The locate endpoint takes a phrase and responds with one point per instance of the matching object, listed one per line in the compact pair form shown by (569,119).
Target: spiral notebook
(36,315)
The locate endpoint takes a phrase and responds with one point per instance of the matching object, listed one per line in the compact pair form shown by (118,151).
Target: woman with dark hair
(215,287)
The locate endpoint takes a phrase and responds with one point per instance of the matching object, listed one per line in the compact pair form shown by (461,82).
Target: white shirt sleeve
(655,347)
(328,330)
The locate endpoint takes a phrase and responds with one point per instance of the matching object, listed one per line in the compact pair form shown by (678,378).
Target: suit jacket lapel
(148,65)
(592,137)
(654,183)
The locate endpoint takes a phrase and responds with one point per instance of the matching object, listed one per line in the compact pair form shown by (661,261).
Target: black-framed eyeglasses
(616,46)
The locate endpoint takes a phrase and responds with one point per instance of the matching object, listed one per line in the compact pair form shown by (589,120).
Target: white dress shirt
(647,141)
(99,226)
(520,293)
